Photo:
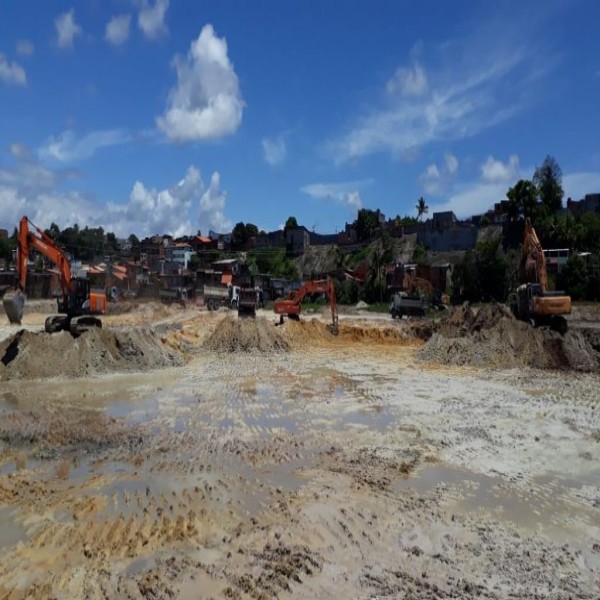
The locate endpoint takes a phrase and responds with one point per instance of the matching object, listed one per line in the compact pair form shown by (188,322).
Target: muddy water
(304,475)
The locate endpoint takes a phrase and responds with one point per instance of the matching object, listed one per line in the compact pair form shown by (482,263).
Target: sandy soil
(345,467)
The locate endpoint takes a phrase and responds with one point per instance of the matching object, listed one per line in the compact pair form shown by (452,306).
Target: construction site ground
(185,454)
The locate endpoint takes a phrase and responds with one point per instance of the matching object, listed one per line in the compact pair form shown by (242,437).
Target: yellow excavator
(531,301)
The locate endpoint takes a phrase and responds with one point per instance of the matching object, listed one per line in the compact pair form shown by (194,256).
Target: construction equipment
(78,303)
(532,302)
(418,287)
(247,302)
(216,296)
(292,305)
(402,304)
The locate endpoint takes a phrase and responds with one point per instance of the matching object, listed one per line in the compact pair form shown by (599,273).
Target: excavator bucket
(14,303)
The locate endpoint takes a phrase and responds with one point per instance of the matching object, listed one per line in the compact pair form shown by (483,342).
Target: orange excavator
(292,305)
(78,303)
(532,301)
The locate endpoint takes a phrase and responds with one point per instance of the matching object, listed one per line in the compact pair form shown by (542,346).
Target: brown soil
(246,335)
(317,333)
(493,337)
(28,355)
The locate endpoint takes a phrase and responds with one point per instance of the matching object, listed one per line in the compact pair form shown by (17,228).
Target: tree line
(489,273)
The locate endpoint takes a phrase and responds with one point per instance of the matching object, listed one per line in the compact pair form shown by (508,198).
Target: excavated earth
(178,453)
(30,355)
(493,337)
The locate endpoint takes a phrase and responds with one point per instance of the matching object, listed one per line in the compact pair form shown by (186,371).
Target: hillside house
(297,240)
(272,239)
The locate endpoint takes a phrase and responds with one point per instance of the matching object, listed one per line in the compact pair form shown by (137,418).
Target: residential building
(297,240)
(589,204)
(444,220)
(272,239)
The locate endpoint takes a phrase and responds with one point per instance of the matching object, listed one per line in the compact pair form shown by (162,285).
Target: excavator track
(80,325)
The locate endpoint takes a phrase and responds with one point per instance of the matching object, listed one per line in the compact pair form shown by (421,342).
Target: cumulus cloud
(435,180)
(12,72)
(68,147)
(476,197)
(151,18)
(212,206)
(206,103)
(117,30)
(67,29)
(27,188)
(25,48)
(495,171)
(345,192)
(274,150)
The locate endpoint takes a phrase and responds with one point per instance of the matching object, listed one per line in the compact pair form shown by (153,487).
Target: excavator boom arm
(293,306)
(533,254)
(32,237)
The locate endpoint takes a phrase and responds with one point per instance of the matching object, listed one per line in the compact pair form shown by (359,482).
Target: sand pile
(245,335)
(28,355)
(315,332)
(493,337)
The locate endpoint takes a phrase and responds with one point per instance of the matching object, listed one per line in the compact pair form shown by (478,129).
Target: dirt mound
(316,332)
(493,337)
(28,355)
(246,335)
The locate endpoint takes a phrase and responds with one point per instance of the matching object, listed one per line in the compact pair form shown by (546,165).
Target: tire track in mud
(256,479)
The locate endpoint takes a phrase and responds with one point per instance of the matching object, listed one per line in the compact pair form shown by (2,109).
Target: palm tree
(422,208)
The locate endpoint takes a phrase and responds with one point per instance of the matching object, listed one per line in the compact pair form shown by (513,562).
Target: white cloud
(435,180)
(212,206)
(206,102)
(66,29)
(345,192)
(466,86)
(472,199)
(151,18)
(495,171)
(12,72)
(25,48)
(451,163)
(117,30)
(67,147)
(26,188)
(274,150)
(475,198)
(430,180)
(408,81)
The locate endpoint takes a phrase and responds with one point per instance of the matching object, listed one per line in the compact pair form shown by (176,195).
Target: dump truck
(402,304)
(216,296)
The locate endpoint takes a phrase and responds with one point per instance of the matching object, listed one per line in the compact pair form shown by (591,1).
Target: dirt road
(339,467)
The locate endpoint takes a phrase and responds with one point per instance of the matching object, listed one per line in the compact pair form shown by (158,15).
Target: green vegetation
(482,275)
(379,307)
(84,244)
(275,262)
(422,208)
(366,224)
(580,277)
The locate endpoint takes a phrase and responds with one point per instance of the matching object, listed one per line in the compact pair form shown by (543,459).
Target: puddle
(12,532)
(546,505)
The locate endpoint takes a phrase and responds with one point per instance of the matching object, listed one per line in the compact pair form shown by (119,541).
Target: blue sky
(151,116)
